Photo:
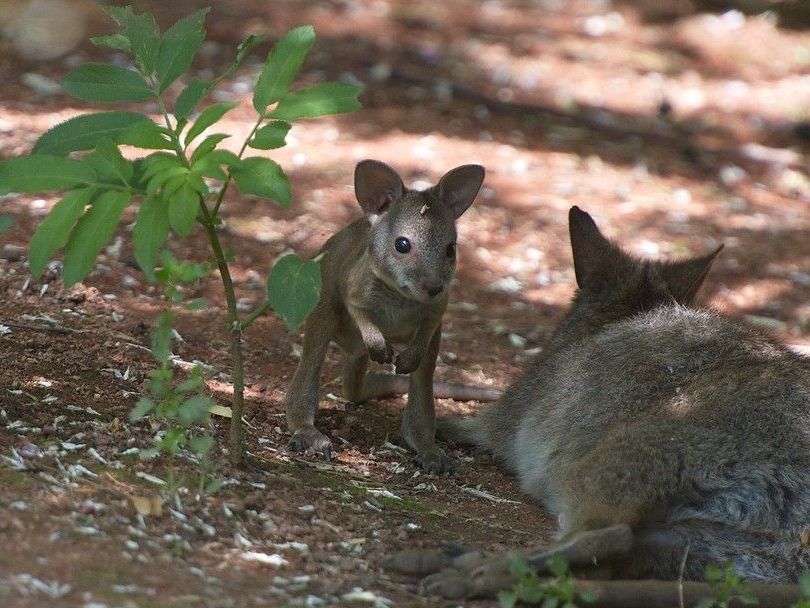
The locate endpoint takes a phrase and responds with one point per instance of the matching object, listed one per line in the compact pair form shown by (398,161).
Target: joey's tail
(385,385)
(664,550)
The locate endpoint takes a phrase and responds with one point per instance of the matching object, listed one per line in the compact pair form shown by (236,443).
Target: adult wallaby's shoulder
(646,411)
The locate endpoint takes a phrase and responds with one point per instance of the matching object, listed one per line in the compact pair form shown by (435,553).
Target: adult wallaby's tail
(385,385)
(468,430)
(669,551)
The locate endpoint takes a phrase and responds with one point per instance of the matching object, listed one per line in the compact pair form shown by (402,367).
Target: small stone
(11,253)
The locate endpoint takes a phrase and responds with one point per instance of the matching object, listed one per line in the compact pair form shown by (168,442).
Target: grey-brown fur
(374,296)
(691,428)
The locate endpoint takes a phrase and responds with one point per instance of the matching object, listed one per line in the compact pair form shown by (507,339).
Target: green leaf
(102,83)
(281,66)
(6,222)
(84,132)
(209,164)
(117,42)
(293,289)
(262,177)
(244,48)
(93,230)
(318,100)
(557,565)
(705,602)
(270,136)
(142,33)
(190,96)
(804,584)
(109,164)
(207,117)
(201,445)
(178,47)
(144,134)
(207,145)
(183,208)
(141,409)
(214,485)
(194,409)
(150,232)
(53,231)
(43,172)
(507,599)
(589,596)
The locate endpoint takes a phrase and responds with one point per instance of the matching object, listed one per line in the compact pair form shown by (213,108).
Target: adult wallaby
(665,437)
(385,280)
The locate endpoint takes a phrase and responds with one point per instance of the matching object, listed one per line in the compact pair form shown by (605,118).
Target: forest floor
(676,135)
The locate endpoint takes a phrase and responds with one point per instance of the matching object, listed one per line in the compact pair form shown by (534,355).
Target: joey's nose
(433,289)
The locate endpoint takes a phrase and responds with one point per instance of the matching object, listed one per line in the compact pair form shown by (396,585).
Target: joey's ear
(458,187)
(685,278)
(376,186)
(592,251)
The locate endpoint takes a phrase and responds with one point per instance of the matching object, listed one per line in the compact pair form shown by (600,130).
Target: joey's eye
(402,244)
(451,250)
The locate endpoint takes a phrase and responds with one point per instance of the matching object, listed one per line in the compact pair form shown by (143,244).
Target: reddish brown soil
(675,135)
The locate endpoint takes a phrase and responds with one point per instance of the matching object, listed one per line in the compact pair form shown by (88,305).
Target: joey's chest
(396,316)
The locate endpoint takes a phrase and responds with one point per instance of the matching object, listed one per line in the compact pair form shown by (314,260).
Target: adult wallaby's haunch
(385,281)
(656,431)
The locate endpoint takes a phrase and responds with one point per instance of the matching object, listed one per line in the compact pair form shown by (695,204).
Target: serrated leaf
(317,100)
(83,132)
(262,177)
(208,117)
(244,48)
(293,289)
(109,163)
(281,66)
(141,409)
(102,83)
(93,230)
(144,134)
(183,207)
(142,33)
(507,599)
(178,47)
(270,136)
(39,172)
(194,409)
(190,96)
(209,164)
(53,231)
(117,42)
(201,445)
(150,232)
(207,145)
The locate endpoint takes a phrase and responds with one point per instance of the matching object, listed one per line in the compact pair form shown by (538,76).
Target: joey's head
(412,240)
(613,285)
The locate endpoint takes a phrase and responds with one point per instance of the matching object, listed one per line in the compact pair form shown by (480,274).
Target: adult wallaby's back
(688,427)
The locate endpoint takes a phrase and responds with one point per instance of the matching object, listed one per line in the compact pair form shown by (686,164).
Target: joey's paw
(380,351)
(310,437)
(435,462)
(408,360)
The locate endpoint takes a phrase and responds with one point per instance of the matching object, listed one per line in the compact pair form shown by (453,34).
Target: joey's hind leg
(302,397)
(354,373)
(419,422)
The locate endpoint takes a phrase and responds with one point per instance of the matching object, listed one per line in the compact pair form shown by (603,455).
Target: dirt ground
(676,135)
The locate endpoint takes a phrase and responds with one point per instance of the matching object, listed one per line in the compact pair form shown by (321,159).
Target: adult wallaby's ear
(458,187)
(376,186)
(591,249)
(685,278)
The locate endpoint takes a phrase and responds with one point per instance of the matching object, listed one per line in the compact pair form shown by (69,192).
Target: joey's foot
(408,360)
(310,437)
(380,351)
(436,462)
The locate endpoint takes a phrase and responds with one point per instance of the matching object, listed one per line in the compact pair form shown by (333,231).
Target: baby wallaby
(648,419)
(385,280)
